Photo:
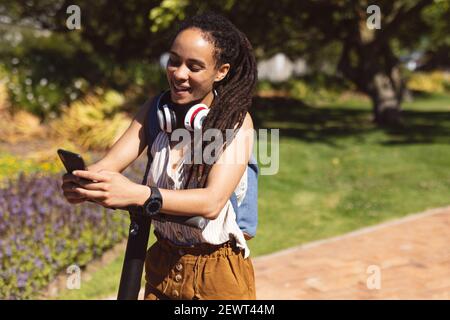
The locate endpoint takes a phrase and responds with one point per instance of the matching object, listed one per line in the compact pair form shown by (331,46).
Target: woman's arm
(114,190)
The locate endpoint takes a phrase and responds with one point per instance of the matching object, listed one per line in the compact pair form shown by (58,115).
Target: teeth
(180,88)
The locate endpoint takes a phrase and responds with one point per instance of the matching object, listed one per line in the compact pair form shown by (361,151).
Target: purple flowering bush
(41,234)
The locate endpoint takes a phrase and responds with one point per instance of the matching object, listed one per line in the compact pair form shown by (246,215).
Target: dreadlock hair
(235,91)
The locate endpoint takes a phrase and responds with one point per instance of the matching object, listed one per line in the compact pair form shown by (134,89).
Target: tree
(114,48)
(123,31)
(367,57)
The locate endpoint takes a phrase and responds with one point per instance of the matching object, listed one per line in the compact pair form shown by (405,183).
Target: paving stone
(411,254)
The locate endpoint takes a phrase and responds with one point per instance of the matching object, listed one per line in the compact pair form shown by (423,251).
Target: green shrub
(93,122)
(432,82)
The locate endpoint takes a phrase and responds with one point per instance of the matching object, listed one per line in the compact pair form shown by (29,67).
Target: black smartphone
(72,161)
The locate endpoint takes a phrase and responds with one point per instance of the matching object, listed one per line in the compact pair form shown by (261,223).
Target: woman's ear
(222,72)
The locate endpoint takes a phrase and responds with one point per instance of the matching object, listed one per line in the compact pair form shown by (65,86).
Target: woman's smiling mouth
(180,90)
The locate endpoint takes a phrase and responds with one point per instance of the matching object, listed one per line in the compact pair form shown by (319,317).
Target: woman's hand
(71,182)
(109,189)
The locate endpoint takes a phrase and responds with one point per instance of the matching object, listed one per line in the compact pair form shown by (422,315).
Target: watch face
(153,207)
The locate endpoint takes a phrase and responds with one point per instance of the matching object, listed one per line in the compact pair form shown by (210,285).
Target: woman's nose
(181,74)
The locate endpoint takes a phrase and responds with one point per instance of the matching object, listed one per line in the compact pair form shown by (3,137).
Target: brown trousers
(202,271)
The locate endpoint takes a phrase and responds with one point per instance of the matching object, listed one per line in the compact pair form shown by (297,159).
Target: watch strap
(155,196)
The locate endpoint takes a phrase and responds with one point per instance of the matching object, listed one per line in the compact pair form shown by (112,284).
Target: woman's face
(191,69)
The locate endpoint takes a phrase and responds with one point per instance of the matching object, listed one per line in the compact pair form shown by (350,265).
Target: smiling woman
(211,72)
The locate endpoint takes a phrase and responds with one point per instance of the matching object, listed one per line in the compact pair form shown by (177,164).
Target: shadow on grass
(421,127)
(324,124)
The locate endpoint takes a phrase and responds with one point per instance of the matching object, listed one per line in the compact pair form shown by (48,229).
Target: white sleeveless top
(217,231)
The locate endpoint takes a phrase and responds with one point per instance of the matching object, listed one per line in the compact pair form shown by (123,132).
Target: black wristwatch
(153,204)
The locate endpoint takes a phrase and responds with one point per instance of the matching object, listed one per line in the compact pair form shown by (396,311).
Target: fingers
(95,176)
(91,194)
(74,197)
(69,186)
(90,185)
(70,193)
(84,185)
(70,178)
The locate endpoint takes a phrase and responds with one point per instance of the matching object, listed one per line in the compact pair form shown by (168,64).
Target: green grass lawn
(337,173)
(104,282)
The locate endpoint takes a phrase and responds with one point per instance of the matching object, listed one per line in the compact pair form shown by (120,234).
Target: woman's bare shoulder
(247,123)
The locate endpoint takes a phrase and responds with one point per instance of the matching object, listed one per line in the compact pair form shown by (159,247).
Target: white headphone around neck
(193,118)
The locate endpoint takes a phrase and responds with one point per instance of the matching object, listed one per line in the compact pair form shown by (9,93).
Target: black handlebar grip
(196,222)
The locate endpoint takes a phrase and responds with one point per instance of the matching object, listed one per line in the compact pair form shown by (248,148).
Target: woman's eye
(171,62)
(195,69)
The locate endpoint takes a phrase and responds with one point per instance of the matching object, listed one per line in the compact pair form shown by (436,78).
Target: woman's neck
(208,99)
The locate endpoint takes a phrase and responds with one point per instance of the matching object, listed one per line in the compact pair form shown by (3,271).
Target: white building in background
(280,68)
(276,69)
(300,67)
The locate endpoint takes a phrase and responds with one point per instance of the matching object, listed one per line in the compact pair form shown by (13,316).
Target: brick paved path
(411,255)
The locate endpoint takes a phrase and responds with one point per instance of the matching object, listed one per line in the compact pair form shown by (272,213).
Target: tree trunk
(386,94)
(386,89)
(370,63)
